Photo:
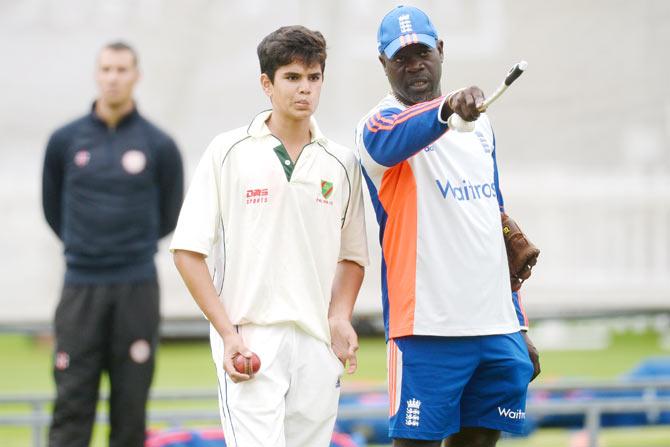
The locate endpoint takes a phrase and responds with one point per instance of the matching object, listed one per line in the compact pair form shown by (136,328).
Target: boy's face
(295,91)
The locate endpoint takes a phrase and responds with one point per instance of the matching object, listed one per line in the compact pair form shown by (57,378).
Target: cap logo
(405,23)
(403,26)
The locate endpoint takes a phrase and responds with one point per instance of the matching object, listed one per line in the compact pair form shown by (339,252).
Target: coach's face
(116,75)
(414,72)
(295,90)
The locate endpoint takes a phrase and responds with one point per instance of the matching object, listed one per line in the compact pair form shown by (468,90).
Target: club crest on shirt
(81,158)
(134,161)
(326,188)
(326,191)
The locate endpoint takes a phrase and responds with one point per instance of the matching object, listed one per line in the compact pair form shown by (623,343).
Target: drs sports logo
(257,196)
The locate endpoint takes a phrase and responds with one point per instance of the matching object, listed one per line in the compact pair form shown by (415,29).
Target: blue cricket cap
(404,26)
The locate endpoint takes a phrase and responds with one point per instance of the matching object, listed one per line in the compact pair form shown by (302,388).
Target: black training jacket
(110,195)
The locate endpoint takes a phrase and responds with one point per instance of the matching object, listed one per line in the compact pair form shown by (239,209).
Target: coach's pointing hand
(467,102)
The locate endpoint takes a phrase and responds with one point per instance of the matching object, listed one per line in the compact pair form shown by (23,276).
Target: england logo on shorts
(413,413)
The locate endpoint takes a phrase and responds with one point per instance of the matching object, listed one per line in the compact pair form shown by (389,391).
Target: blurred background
(583,143)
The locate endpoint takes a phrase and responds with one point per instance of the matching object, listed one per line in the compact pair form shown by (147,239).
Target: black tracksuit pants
(98,328)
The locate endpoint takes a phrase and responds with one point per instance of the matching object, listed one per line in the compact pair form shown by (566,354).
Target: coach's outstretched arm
(393,135)
(193,269)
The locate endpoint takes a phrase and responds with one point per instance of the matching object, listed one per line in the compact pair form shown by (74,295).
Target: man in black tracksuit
(112,187)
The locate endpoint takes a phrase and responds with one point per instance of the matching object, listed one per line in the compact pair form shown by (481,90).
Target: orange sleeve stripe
(422,105)
(375,126)
(419,107)
(397,195)
(377,122)
(379,117)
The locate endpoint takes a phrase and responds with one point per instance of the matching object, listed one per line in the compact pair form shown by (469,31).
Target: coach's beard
(416,91)
(410,100)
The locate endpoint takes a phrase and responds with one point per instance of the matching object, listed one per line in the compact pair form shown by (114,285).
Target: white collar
(258,127)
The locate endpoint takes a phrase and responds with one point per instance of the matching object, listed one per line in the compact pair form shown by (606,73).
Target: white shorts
(292,401)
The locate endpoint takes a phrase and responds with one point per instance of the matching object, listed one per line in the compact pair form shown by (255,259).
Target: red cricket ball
(249,366)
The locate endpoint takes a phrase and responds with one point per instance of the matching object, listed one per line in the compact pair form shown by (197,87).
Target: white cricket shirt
(276,229)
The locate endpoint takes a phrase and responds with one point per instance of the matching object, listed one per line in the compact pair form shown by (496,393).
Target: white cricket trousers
(292,401)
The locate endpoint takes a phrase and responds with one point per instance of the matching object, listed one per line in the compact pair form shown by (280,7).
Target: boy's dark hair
(120,45)
(291,44)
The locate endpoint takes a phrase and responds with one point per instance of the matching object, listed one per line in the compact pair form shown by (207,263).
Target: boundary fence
(647,399)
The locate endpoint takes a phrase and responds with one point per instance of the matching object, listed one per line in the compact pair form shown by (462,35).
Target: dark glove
(521,253)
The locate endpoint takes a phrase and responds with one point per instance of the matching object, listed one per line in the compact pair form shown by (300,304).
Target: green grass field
(188,366)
